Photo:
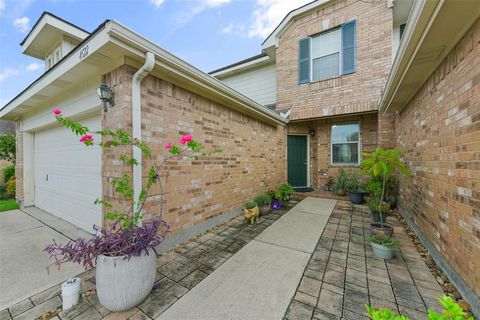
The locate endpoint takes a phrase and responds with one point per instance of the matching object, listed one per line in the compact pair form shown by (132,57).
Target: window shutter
(348,47)
(304,61)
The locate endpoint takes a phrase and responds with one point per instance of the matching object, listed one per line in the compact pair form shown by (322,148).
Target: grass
(9,204)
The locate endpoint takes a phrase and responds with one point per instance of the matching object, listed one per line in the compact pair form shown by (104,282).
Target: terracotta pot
(265,210)
(376,228)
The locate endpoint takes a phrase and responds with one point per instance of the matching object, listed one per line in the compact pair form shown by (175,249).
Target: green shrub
(451,311)
(263,199)
(250,205)
(351,183)
(8,172)
(342,180)
(10,187)
(382,239)
(7,147)
(284,192)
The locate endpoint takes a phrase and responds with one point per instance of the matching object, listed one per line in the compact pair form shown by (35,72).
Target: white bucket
(70,292)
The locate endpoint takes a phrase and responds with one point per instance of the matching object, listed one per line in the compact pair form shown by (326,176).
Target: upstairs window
(328,54)
(326,49)
(345,143)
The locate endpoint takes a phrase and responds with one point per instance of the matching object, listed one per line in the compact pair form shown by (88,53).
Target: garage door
(68,175)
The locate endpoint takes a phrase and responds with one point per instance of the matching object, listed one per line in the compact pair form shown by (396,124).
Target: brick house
(335,78)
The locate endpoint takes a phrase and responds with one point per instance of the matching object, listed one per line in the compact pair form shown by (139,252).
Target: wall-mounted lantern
(105,94)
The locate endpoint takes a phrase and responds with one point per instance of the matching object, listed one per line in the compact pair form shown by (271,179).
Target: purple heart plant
(125,236)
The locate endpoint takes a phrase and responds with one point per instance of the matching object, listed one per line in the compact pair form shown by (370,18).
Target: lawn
(9,204)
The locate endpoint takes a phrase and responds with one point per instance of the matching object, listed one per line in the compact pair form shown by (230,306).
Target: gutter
(137,119)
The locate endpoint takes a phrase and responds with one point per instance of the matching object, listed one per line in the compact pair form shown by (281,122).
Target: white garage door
(68,175)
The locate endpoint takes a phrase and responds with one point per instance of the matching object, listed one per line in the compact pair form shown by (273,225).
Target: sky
(208,34)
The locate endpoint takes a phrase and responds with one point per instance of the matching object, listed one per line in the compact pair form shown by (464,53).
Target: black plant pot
(379,216)
(357,196)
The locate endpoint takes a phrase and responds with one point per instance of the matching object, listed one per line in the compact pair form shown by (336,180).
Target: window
(345,143)
(328,54)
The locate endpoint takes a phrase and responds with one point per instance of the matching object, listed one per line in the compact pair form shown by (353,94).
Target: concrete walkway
(22,262)
(259,281)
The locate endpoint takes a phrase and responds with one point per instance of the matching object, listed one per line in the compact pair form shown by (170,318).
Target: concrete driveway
(23,236)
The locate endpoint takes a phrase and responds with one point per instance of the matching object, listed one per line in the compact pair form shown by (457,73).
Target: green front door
(297,161)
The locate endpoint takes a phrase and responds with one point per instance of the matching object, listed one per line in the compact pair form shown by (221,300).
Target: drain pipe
(137,119)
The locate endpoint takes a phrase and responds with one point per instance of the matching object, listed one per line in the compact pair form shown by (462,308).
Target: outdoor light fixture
(312,132)
(106,95)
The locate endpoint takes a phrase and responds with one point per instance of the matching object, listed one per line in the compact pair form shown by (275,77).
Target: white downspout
(137,119)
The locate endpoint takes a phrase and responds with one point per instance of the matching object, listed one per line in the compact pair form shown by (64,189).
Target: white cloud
(22,24)
(9,72)
(2,5)
(32,67)
(227,29)
(185,17)
(157,3)
(22,69)
(268,15)
(215,3)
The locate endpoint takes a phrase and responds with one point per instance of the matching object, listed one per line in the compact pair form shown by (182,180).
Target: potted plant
(124,254)
(251,212)
(380,211)
(382,164)
(264,201)
(284,192)
(382,245)
(341,184)
(330,185)
(354,189)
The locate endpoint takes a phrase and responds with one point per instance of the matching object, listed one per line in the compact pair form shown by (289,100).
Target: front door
(297,160)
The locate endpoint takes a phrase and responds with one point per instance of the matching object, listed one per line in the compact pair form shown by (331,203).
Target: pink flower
(168,146)
(134,140)
(186,138)
(86,137)
(57,112)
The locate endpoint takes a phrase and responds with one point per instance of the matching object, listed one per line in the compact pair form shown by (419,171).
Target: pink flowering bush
(124,225)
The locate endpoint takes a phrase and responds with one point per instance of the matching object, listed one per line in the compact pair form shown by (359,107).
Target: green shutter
(348,47)
(304,60)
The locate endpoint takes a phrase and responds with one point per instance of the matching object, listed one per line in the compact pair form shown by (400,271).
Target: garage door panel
(68,175)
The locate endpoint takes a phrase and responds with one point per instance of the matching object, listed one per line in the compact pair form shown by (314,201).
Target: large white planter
(123,284)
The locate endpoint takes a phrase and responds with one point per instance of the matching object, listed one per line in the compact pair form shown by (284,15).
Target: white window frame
(340,56)
(359,143)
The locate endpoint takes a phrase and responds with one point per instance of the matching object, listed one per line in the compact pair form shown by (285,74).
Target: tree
(7,147)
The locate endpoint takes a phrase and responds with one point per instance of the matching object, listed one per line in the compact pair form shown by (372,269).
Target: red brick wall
(439,130)
(357,92)
(252,160)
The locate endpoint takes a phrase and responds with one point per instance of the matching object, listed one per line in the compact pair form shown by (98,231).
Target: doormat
(303,189)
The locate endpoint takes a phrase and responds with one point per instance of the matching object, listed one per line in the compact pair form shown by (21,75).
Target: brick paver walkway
(342,274)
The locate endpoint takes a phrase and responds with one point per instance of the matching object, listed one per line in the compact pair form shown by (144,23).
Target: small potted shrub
(380,212)
(341,184)
(382,245)
(123,254)
(381,164)
(330,185)
(284,192)
(264,201)
(251,212)
(354,189)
